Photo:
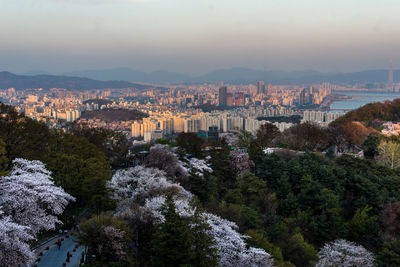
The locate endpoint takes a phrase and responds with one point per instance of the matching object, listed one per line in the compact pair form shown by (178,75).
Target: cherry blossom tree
(231,245)
(163,158)
(344,253)
(135,185)
(141,194)
(14,247)
(28,195)
(199,166)
(29,203)
(240,161)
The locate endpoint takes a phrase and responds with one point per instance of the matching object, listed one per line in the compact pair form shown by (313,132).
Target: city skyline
(198,36)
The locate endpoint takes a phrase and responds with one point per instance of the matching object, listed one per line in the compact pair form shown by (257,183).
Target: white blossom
(240,161)
(199,166)
(14,248)
(28,195)
(230,243)
(154,205)
(163,158)
(344,253)
(29,203)
(231,246)
(135,185)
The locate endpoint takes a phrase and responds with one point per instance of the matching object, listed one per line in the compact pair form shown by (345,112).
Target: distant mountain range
(128,78)
(239,76)
(45,81)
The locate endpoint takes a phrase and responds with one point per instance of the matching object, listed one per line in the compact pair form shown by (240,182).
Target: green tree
(258,240)
(3,158)
(364,228)
(389,255)
(190,143)
(299,252)
(371,146)
(266,134)
(176,243)
(389,154)
(245,138)
(204,253)
(106,237)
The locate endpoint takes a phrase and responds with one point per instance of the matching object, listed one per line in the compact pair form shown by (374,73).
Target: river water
(359,99)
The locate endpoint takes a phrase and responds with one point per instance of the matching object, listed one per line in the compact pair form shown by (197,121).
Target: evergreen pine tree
(204,253)
(182,242)
(171,242)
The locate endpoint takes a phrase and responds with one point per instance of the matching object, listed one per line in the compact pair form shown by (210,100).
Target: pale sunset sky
(197,36)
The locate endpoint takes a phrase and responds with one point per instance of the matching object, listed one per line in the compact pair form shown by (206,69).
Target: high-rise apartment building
(260,88)
(223,96)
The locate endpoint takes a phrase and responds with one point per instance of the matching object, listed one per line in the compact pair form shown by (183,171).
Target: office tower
(222,96)
(390,78)
(302,97)
(260,88)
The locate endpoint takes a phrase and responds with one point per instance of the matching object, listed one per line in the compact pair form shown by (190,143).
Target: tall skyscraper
(390,78)
(222,96)
(260,88)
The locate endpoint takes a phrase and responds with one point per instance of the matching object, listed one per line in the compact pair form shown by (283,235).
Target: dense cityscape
(163,133)
(192,109)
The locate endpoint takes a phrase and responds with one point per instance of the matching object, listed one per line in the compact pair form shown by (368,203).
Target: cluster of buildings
(176,108)
(321,118)
(160,124)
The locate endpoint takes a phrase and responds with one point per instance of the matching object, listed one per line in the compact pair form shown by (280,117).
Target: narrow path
(56,257)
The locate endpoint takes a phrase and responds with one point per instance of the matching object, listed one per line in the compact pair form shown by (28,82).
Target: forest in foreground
(204,202)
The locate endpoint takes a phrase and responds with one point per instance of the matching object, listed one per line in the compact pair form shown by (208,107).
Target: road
(55,257)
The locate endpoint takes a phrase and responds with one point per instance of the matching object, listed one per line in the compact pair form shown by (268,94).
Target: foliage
(113,144)
(76,165)
(266,133)
(148,190)
(389,154)
(111,115)
(305,136)
(163,158)
(369,113)
(371,146)
(190,143)
(240,161)
(390,218)
(3,158)
(245,138)
(389,254)
(105,237)
(178,243)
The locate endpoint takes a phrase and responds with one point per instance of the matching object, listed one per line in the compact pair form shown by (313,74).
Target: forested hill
(374,113)
(183,204)
(8,80)
(111,115)
(77,165)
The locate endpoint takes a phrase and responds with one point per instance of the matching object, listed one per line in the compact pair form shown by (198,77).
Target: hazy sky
(197,36)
